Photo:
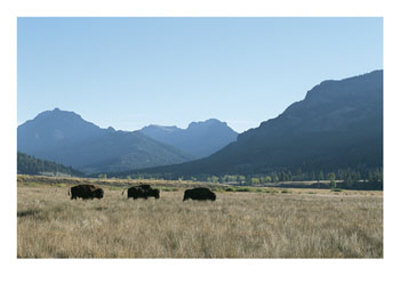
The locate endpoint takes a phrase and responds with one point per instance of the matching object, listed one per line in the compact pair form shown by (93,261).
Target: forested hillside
(337,127)
(30,165)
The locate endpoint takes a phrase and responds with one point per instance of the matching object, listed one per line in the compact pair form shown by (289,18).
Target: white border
(197,278)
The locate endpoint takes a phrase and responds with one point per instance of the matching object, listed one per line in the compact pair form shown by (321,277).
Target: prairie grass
(299,224)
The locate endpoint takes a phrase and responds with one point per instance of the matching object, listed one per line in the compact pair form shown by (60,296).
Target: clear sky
(131,72)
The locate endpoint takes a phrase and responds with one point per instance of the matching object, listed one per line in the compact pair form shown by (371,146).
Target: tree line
(27,164)
(348,178)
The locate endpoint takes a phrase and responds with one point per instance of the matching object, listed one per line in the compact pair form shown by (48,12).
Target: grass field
(259,223)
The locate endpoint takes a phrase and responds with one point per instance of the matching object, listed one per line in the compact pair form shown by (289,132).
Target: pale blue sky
(132,72)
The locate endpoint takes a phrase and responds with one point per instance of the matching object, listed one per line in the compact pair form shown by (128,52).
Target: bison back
(143,191)
(83,191)
(135,192)
(200,193)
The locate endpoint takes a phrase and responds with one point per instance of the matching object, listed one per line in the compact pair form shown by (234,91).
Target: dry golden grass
(303,223)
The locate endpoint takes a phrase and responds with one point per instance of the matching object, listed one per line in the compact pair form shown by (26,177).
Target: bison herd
(140,191)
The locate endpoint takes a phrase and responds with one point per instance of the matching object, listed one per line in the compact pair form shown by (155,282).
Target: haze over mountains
(64,137)
(339,124)
(200,139)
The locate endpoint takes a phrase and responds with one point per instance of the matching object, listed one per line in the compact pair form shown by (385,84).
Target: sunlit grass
(297,223)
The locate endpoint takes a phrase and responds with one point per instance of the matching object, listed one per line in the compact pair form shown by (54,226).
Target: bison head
(99,193)
(156,193)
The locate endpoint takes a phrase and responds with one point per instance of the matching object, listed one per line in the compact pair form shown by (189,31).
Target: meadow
(259,222)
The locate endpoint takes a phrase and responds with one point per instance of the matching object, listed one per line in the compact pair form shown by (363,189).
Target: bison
(143,191)
(199,194)
(86,192)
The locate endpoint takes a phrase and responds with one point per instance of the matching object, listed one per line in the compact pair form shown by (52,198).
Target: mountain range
(200,139)
(64,137)
(338,125)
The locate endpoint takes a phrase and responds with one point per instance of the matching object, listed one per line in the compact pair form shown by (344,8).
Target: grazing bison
(86,192)
(199,194)
(143,191)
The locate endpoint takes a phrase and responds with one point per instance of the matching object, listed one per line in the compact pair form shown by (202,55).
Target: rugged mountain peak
(207,123)
(57,113)
(327,104)
(333,89)
(153,127)
(199,139)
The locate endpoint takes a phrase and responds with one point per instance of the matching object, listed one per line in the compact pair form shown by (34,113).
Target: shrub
(243,189)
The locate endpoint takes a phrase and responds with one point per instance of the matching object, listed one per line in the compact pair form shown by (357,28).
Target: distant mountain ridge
(66,138)
(339,124)
(52,129)
(200,139)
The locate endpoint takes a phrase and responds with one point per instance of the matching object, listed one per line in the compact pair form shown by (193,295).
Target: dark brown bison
(199,194)
(143,191)
(86,192)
